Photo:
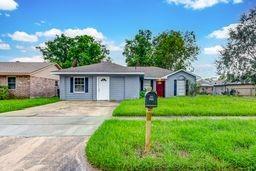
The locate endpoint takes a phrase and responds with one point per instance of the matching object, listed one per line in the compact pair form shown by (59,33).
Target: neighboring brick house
(29,79)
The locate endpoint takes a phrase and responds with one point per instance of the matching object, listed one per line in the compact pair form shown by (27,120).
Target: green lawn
(17,104)
(192,106)
(176,145)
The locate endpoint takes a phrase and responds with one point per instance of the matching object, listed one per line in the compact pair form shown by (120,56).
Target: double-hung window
(79,84)
(11,82)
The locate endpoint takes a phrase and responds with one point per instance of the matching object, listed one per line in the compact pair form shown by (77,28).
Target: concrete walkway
(50,137)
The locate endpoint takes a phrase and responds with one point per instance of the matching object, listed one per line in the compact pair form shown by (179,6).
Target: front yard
(192,106)
(176,145)
(18,104)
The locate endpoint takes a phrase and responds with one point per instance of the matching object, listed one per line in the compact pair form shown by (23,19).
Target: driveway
(50,137)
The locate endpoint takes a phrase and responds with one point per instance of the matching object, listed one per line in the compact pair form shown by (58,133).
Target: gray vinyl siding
(121,87)
(117,88)
(94,88)
(132,87)
(154,85)
(62,87)
(169,84)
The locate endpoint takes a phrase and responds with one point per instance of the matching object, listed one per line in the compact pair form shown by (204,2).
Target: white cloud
(200,4)
(49,33)
(214,50)
(86,31)
(20,47)
(72,33)
(237,1)
(7,15)
(39,23)
(4,46)
(28,59)
(222,33)
(8,5)
(113,47)
(23,36)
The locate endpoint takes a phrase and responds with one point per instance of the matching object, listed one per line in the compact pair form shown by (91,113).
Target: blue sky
(28,23)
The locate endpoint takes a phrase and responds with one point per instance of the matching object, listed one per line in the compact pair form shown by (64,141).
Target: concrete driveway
(50,137)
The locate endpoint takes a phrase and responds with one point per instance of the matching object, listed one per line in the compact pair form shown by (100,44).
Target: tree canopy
(171,49)
(138,51)
(78,51)
(238,58)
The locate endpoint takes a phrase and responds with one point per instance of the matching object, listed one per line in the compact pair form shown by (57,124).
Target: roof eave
(96,73)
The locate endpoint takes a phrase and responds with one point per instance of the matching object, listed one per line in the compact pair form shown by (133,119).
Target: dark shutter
(86,85)
(175,87)
(151,84)
(71,84)
(141,84)
(187,87)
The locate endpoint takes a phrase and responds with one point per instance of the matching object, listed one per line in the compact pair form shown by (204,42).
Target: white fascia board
(165,77)
(153,78)
(97,73)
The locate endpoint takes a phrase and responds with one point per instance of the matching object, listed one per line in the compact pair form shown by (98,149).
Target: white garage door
(181,91)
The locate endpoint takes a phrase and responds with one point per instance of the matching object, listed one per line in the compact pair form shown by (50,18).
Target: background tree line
(171,50)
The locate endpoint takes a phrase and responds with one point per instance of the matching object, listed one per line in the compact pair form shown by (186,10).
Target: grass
(192,106)
(176,145)
(18,104)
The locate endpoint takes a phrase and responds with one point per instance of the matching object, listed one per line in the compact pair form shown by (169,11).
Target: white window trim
(74,82)
(8,82)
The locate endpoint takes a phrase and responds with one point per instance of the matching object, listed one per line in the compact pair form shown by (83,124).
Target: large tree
(238,58)
(138,51)
(175,50)
(171,50)
(78,51)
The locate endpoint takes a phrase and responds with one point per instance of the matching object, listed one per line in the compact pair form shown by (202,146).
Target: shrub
(142,93)
(4,93)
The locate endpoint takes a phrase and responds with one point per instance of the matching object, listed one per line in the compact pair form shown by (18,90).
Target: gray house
(109,81)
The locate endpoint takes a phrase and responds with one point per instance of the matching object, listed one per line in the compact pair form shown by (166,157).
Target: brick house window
(79,85)
(11,82)
(56,83)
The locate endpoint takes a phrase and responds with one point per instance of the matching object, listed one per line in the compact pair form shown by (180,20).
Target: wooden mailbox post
(150,103)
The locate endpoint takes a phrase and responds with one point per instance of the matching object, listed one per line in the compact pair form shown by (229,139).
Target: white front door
(102,88)
(181,91)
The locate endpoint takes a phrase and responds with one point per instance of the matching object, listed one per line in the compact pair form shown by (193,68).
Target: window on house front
(11,82)
(79,85)
(56,83)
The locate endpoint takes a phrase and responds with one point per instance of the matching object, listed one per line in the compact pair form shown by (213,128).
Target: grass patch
(18,104)
(176,145)
(192,106)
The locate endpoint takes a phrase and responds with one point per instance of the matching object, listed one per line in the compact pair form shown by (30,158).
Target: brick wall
(42,87)
(22,89)
(3,80)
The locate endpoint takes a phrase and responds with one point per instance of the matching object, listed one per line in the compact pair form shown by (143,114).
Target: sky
(25,24)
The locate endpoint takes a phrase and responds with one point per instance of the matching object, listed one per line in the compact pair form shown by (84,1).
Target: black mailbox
(151,99)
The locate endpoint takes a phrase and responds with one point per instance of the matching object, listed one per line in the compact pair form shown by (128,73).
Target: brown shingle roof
(21,68)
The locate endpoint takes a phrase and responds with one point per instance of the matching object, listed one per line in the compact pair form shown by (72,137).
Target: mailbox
(151,99)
